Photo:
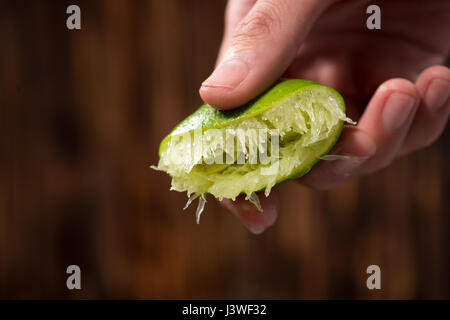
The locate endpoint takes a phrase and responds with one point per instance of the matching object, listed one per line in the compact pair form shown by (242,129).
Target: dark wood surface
(81,116)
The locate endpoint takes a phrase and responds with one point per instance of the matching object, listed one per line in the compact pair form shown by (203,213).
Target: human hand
(328,42)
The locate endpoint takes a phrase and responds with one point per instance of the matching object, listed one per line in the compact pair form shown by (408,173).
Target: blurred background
(81,117)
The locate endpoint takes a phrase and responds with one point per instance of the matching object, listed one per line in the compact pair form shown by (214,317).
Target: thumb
(261,48)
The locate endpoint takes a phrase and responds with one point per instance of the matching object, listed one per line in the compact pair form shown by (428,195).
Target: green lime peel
(306,117)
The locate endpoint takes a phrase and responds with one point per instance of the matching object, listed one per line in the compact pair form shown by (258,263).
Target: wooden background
(81,116)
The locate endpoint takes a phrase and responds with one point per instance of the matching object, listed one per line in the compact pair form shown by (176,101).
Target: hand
(328,42)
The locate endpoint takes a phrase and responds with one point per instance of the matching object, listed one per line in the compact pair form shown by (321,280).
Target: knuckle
(438,71)
(428,140)
(384,163)
(257,26)
(423,139)
(377,165)
(399,84)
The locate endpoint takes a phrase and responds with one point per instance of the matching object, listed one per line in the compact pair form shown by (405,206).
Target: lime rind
(308,118)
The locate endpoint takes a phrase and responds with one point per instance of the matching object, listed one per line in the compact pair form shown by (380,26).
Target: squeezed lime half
(305,117)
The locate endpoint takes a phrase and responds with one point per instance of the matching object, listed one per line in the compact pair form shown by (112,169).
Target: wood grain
(81,116)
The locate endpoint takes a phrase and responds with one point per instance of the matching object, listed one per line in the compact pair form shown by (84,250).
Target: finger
(261,48)
(247,212)
(236,10)
(431,118)
(355,144)
(387,120)
(374,142)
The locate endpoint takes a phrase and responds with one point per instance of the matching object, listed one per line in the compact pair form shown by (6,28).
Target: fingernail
(228,75)
(437,94)
(396,110)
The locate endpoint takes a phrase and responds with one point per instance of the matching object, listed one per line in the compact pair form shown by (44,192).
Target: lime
(293,124)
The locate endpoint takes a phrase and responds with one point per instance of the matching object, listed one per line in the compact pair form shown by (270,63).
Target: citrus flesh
(306,119)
